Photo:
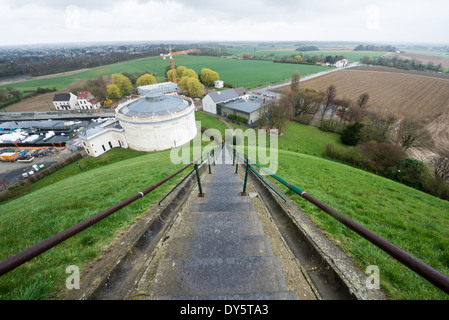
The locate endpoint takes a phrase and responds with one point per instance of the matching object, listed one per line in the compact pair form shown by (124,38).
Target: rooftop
(148,107)
(221,96)
(244,105)
(97,127)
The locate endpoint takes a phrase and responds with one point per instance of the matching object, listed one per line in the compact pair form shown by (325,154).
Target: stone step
(221,216)
(218,276)
(219,247)
(280,295)
(220,228)
(223,198)
(211,205)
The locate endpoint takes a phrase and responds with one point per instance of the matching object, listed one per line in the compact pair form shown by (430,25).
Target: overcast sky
(387,21)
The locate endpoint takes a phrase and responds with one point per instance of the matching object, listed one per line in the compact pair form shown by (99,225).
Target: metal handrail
(432,275)
(31,252)
(258,175)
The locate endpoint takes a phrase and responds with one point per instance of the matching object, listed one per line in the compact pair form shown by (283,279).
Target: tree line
(406,64)
(308,59)
(372,47)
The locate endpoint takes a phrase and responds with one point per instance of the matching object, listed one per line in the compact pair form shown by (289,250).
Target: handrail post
(233,157)
(208,162)
(201,194)
(244,193)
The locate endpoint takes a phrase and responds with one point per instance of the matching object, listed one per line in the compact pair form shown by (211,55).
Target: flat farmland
(420,95)
(425,57)
(240,73)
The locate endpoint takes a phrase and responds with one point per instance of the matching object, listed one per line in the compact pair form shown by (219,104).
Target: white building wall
(159,133)
(209,105)
(72,101)
(104,141)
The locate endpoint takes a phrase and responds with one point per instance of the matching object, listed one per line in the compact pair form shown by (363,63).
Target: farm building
(342,63)
(212,99)
(152,122)
(247,107)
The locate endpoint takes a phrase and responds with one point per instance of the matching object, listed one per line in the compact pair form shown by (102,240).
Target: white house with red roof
(85,100)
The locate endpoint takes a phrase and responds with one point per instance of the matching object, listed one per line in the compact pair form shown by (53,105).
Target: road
(268,91)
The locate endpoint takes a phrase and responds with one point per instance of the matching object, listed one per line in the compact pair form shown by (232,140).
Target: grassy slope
(44,212)
(415,221)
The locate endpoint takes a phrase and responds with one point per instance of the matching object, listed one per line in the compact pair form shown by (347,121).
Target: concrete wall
(159,133)
(209,105)
(104,141)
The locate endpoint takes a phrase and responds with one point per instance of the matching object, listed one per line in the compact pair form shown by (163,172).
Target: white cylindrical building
(157,122)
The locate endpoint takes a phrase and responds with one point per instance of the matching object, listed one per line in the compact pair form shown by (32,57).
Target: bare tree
(329,95)
(363,100)
(412,134)
(306,101)
(294,85)
(277,112)
(441,166)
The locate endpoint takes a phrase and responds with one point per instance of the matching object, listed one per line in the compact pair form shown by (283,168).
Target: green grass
(412,220)
(307,139)
(249,74)
(55,207)
(211,122)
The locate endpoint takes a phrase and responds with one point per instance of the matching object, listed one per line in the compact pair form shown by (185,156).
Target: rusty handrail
(432,275)
(31,252)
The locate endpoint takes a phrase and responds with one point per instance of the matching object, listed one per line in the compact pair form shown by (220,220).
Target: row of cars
(25,155)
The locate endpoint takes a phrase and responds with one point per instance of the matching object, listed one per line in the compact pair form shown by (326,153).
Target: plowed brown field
(420,95)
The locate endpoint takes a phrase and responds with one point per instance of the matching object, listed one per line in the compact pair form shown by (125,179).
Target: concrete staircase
(220,251)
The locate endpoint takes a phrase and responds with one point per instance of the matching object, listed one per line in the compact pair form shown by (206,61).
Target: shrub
(237,118)
(305,118)
(330,126)
(351,134)
(349,155)
(383,155)
(412,173)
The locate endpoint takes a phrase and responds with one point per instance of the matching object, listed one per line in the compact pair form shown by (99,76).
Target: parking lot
(12,172)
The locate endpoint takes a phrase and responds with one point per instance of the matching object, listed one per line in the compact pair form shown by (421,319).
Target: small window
(104,149)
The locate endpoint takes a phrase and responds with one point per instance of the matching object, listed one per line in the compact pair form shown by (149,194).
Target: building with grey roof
(249,108)
(212,99)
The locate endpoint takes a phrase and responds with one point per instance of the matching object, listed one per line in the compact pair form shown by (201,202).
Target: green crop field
(240,73)
(288,50)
